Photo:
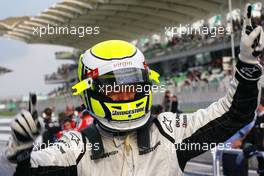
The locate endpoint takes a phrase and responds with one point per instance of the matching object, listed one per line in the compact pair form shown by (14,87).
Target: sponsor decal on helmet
(127,112)
(94,73)
(122,64)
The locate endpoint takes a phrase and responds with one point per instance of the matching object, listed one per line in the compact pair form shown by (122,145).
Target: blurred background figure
(70,111)
(174,104)
(61,117)
(255,137)
(78,114)
(51,128)
(156,110)
(249,139)
(70,114)
(85,120)
(67,125)
(166,101)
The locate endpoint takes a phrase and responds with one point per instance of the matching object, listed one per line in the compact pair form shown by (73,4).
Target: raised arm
(223,118)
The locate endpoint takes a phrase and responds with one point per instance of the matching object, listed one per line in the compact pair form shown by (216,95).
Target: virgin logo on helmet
(123,64)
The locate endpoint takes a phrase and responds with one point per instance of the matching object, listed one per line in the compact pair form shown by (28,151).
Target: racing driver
(125,138)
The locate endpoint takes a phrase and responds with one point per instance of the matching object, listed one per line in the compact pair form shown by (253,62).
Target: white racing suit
(153,149)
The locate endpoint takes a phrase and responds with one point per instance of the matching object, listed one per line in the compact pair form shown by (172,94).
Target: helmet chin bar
(122,126)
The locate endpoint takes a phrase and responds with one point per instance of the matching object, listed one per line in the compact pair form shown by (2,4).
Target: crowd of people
(190,78)
(71,119)
(199,77)
(191,40)
(164,45)
(184,42)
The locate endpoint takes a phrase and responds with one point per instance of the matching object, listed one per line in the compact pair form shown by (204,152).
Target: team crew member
(126,139)
(68,125)
(51,128)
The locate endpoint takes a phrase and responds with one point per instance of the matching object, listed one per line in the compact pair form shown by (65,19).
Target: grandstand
(189,62)
(4,70)
(190,65)
(8,24)
(120,19)
(66,74)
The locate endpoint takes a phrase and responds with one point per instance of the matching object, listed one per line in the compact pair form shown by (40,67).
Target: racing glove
(251,47)
(24,130)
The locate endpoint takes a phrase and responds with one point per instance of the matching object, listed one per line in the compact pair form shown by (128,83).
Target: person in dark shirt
(51,128)
(250,141)
(166,101)
(156,110)
(256,138)
(174,104)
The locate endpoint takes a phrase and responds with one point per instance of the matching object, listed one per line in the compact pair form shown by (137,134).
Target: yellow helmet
(107,70)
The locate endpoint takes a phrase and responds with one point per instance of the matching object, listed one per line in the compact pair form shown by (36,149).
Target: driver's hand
(251,47)
(24,131)
(252,39)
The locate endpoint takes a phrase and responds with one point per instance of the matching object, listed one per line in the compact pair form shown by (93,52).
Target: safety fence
(4,129)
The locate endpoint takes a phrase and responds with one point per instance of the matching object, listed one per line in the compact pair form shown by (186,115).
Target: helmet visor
(120,81)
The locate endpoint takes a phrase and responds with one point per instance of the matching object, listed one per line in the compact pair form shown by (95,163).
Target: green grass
(7,114)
